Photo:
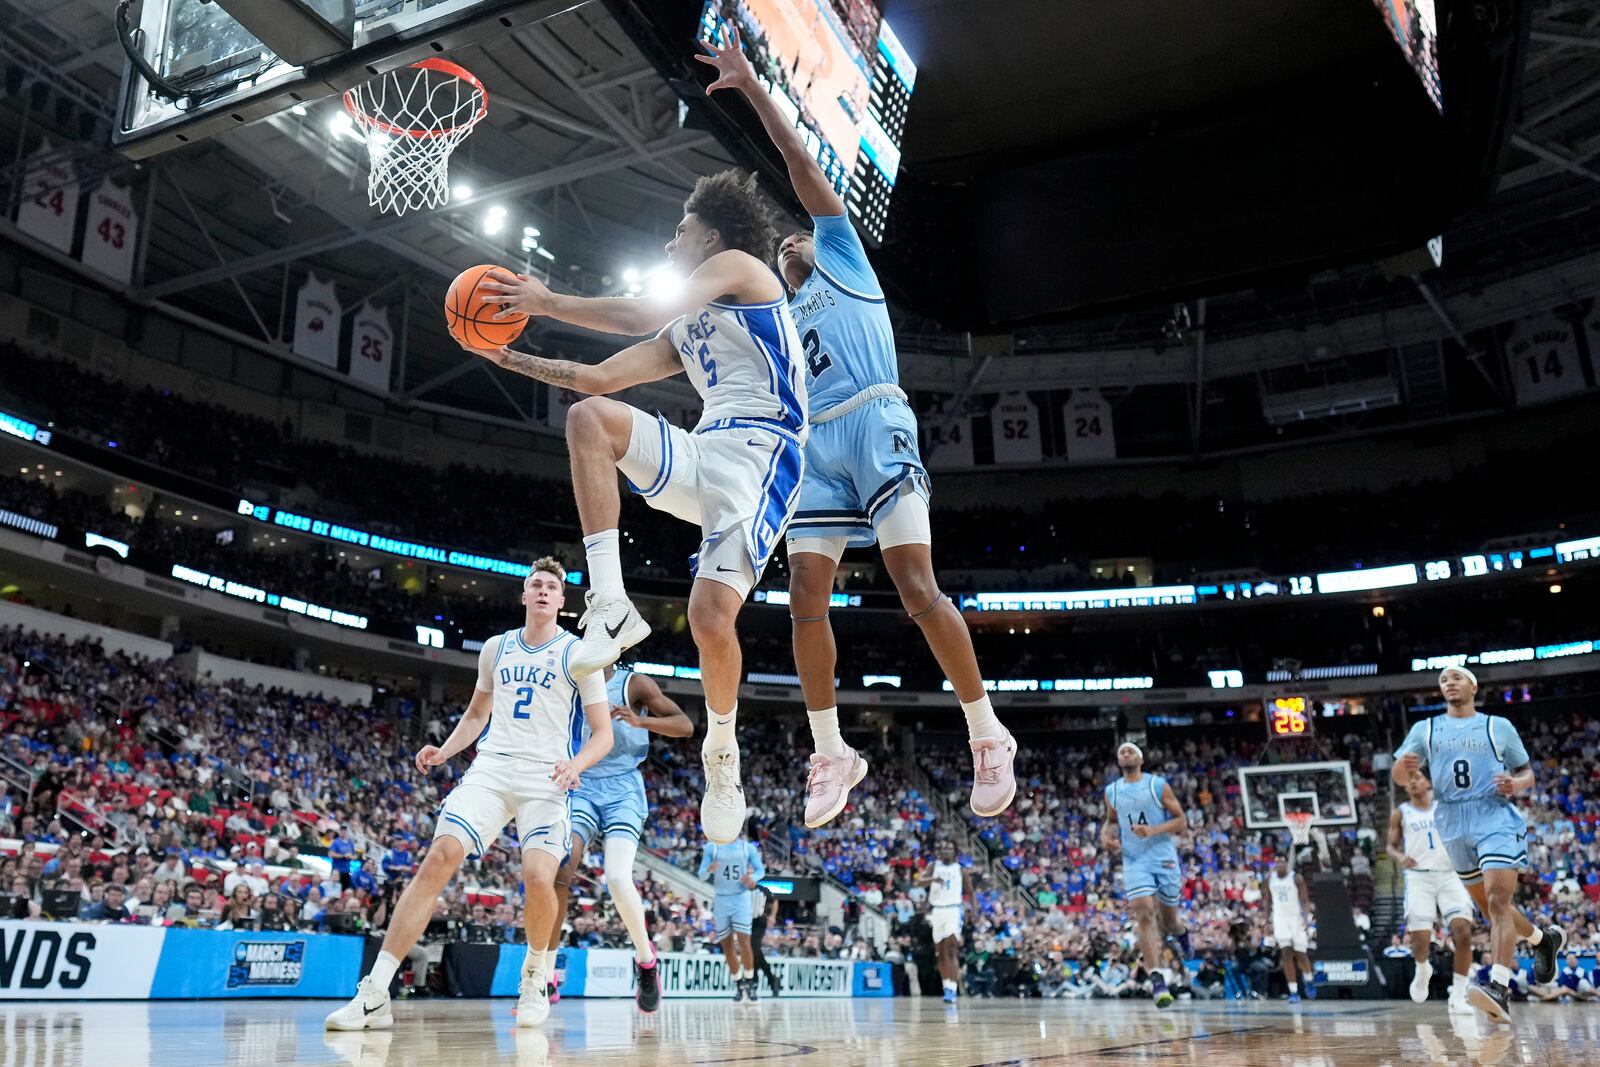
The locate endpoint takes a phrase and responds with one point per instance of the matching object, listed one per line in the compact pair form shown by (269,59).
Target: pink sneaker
(555,988)
(829,783)
(994,782)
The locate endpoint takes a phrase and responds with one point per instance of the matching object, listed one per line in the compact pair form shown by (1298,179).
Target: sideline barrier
(608,972)
(67,961)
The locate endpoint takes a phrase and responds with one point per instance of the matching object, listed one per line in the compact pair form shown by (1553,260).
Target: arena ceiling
(583,141)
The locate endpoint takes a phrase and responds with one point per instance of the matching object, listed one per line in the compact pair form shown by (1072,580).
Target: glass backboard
(227,77)
(1325,790)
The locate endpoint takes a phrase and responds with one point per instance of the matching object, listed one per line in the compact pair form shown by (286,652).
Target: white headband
(1473,678)
(1130,744)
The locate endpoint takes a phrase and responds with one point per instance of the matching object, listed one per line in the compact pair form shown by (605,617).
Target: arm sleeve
(1416,741)
(486,655)
(592,688)
(758,870)
(842,257)
(705,863)
(1516,752)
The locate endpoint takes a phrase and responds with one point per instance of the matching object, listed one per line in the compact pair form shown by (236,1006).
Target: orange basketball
(470,320)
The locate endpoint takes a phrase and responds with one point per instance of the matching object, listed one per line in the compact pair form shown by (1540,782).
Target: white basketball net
(412,119)
(1299,826)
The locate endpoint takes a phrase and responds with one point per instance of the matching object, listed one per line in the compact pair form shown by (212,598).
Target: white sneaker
(610,627)
(1419,983)
(533,1000)
(1459,1005)
(722,808)
(368,1011)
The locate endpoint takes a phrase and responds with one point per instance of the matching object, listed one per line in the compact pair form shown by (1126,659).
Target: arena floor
(444,1033)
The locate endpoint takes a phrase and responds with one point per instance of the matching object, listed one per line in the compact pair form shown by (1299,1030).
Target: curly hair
(731,204)
(550,565)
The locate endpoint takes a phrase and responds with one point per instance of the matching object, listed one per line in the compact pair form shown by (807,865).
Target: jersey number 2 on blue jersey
(817,360)
(524,699)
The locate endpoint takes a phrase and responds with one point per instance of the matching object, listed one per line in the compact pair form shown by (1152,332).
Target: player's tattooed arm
(558,372)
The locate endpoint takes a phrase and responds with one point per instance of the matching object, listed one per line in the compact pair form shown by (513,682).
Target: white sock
(1534,938)
(620,852)
(947,983)
(981,721)
(605,563)
(1294,987)
(720,728)
(1500,974)
(1458,981)
(384,968)
(825,732)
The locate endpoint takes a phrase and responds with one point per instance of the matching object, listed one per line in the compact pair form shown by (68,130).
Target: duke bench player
(865,480)
(734,869)
(737,476)
(1478,763)
(526,716)
(1433,892)
(1146,814)
(610,807)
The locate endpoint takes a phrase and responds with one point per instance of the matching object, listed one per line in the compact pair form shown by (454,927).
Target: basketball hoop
(1299,823)
(412,119)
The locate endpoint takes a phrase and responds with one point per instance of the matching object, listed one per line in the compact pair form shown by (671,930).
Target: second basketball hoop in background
(412,119)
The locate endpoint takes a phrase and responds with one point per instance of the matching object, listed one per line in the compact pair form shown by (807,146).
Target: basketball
(471,321)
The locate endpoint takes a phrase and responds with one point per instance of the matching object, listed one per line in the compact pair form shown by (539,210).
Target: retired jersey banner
(1090,436)
(316,322)
(71,961)
(1015,422)
(49,207)
(110,232)
(371,347)
(1542,355)
(559,402)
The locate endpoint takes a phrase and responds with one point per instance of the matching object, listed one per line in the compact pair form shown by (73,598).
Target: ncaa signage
(62,961)
(1342,972)
(267,963)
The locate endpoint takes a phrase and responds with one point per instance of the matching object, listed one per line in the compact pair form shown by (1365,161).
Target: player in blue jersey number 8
(865,482)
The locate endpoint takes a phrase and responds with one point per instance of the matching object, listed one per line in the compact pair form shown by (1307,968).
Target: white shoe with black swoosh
(610,627)
(368,1011)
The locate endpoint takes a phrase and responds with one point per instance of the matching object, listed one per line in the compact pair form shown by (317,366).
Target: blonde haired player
(525,714)
(1288,906)
(1432,892)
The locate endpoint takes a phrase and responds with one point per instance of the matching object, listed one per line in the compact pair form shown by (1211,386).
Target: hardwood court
(801,1033)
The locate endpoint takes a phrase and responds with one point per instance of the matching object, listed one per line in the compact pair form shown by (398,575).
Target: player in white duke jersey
(865,480)
(1478,763)
(1146,815)
(525,716)
(1433,892)
(737,476)
(610,806)
(1289,907)
(949,887)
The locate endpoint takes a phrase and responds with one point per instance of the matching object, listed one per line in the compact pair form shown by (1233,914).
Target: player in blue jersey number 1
(736,476)
(1478,763)
(865,482)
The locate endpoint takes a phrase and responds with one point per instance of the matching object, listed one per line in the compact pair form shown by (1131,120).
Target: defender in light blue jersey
(734,869)
(1478,763)
(609,805)
(1142,815)
(865,481)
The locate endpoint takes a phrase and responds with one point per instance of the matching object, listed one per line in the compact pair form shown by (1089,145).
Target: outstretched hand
(514,293)
(733,69)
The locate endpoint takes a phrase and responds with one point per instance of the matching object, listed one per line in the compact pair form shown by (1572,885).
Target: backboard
(1326,790)
(227,76)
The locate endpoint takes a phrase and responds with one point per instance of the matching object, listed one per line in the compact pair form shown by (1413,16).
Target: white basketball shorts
(1432,895)
(497,789)
(1289,930)
(738,482)
(946,922)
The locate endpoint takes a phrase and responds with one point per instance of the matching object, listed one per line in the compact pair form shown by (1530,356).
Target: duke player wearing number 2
(1433,892)
(737,476)
(865,481)
(1478,763)
(1142,815)
(526,716)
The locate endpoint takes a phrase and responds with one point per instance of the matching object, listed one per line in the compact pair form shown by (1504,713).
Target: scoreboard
(1288,717)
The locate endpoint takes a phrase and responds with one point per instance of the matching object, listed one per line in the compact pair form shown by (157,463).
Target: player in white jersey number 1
(525,713)
(737,476)
(865,481)
(1433,892)
(948,889)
